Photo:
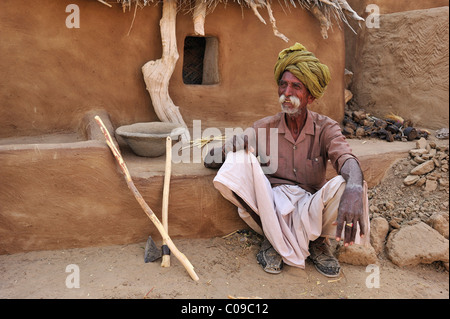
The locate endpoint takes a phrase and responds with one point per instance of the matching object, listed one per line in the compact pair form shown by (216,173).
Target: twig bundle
(201,142)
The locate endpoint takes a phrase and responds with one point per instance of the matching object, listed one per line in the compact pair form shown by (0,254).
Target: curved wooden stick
(180,256)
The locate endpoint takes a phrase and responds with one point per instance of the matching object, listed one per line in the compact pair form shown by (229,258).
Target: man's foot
(269,258)
(323,259)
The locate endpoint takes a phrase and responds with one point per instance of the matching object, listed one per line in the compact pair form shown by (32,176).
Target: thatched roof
(326,11)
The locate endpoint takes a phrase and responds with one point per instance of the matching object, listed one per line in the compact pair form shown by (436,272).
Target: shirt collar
(307,129)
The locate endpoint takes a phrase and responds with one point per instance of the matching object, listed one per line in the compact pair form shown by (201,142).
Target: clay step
(59,196)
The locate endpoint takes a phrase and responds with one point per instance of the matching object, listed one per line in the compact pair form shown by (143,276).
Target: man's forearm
(352,173)
(351,206)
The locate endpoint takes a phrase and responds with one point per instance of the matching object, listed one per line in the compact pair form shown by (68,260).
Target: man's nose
(289,90)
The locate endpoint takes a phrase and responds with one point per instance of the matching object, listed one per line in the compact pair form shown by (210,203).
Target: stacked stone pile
(430,166)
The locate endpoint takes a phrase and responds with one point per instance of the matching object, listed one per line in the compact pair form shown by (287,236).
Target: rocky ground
(409,209)
(416,187)
(412,200)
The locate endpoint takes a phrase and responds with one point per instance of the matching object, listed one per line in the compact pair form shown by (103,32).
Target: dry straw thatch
(325,11)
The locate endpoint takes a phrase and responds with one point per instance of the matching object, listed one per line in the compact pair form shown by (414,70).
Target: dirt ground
(226,267)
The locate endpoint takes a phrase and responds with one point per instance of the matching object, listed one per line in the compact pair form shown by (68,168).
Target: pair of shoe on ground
(320,255)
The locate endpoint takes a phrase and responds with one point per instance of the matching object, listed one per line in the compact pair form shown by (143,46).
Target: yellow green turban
(305,66)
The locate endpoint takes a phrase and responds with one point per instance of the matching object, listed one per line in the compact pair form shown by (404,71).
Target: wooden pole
(180,256)
(165,204)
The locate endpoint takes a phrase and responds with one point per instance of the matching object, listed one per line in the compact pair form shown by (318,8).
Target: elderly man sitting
(275,174)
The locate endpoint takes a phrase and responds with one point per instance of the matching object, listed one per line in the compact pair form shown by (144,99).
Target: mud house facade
(60,186)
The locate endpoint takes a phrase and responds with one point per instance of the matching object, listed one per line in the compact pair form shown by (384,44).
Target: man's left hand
(350,214)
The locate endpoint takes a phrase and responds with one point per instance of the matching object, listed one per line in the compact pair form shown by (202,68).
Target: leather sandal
(323,259)
(269,258)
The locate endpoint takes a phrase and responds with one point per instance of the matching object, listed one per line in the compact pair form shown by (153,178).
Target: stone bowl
(149,139)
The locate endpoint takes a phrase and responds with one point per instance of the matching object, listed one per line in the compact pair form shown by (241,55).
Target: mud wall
(405,67)
(53,75)
(389,6)
(247,55)
(386,7)
(402,66)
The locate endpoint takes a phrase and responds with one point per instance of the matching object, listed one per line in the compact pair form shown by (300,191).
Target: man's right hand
(237,143)
(216,157)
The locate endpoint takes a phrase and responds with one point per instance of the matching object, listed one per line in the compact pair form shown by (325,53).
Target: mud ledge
(72,194)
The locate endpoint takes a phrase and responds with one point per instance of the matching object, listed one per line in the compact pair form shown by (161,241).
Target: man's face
(294,96)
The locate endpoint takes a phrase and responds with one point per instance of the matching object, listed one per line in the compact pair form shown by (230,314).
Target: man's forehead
(288,76)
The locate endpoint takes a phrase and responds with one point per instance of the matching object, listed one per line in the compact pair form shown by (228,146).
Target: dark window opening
(200,62)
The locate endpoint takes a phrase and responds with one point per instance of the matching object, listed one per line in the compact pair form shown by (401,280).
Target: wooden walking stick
(165,204)
(148,211)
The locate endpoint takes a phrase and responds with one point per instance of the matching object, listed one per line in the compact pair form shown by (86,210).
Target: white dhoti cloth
(290,216)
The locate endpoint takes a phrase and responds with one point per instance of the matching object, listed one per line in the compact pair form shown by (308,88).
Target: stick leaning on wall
(180,256)
(165,204)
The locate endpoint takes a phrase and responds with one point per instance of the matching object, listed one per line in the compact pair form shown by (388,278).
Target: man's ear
(311,98)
